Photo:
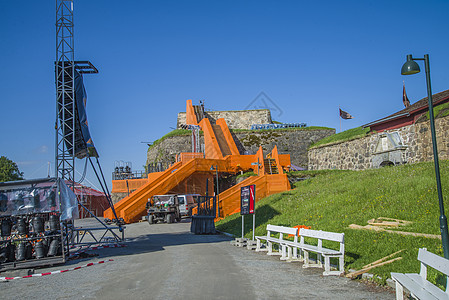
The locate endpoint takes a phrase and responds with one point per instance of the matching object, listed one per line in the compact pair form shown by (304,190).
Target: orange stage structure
(189,174)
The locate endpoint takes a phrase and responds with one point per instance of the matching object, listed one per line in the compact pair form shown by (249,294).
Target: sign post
(248,205)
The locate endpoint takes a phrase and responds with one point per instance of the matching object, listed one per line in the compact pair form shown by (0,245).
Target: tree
(9,170)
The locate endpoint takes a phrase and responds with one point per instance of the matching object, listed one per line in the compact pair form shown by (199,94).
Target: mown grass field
(331,200)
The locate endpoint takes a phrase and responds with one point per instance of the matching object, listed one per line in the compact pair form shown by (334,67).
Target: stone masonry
(236,119)
(293,142)
(358,154)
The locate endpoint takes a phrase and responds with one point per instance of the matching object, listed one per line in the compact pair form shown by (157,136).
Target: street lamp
(410,67)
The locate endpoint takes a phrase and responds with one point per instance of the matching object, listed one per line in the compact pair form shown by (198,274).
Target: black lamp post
(212,168)
(411,67)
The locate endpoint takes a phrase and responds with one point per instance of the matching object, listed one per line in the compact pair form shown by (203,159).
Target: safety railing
(277,126)
(129,175)
(158,167)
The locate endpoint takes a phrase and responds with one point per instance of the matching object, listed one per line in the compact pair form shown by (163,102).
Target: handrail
(275,156)
(212,148)
(228,136)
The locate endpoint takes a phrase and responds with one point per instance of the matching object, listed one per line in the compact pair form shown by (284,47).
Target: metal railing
(158,167)
(129,175)
(277,126)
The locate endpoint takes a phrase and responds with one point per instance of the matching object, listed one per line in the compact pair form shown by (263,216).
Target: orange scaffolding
(189,173)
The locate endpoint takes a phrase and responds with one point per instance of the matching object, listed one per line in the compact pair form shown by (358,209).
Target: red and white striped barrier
(56,272)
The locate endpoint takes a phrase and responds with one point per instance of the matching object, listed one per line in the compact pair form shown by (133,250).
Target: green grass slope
(348,135)
(332,200)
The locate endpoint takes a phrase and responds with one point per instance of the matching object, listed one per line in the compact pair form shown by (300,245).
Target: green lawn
(347,135)
(282,129)
(331,200)
(175,132)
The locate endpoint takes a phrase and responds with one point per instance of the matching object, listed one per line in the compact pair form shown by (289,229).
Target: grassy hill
(331,200)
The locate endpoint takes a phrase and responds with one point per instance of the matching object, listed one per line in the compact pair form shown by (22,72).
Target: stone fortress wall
(294,142)
(236,119)
(413,143)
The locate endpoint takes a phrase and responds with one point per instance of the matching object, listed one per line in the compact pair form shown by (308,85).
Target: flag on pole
(404,97)
(344,115)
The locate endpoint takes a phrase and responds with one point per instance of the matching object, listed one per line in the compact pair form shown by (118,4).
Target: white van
(186,203)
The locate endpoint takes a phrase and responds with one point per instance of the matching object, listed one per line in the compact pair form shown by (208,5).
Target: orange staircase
(220,151)
(267,183)
(132,208)
(222,144)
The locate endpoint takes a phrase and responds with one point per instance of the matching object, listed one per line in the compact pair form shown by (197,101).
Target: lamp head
(410,67)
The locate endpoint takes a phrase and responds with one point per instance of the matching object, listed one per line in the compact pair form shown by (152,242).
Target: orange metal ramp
(217,137)
(266,185)
(132,208)
(119,206)
(221,153)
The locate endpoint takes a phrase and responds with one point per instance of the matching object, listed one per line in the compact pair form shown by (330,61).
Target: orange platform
(188,174)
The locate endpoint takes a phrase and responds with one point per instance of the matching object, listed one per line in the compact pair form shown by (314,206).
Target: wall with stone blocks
(236,119)
(358,154)
(293,142)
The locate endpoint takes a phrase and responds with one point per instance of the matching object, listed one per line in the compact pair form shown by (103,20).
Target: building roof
(85,190)
(417,107)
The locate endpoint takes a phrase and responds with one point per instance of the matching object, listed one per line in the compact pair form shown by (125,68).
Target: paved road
(165,261)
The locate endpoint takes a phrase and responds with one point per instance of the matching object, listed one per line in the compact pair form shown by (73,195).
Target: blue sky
(309,57)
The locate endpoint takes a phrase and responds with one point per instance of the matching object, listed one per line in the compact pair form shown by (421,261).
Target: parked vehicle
(163,208)
(186,203)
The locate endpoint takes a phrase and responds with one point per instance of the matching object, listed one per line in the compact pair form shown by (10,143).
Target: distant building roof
(85,190)
(408,115)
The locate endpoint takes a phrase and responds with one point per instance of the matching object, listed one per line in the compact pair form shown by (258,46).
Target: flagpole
(339,115)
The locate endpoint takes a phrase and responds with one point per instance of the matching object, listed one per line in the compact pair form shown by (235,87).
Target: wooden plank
(377,228)
(382,259)
(360,272)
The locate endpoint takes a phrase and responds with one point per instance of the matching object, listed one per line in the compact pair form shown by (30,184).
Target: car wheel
(169,218)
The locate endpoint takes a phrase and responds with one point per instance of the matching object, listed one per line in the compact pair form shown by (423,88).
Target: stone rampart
(165,152)
(414,145)
(235,119)
(293,142)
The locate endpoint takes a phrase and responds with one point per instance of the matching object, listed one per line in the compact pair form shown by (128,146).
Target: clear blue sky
(309,57)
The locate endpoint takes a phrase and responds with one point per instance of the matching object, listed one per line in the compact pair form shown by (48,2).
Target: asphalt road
(166,261)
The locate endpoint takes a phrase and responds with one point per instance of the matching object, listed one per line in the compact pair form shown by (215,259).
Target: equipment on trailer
(30,218)
(163,208)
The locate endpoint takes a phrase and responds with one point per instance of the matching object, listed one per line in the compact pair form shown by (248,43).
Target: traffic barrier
(55,272)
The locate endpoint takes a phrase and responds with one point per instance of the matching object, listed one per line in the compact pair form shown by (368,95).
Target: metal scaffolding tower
(70,142)
(65,92)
